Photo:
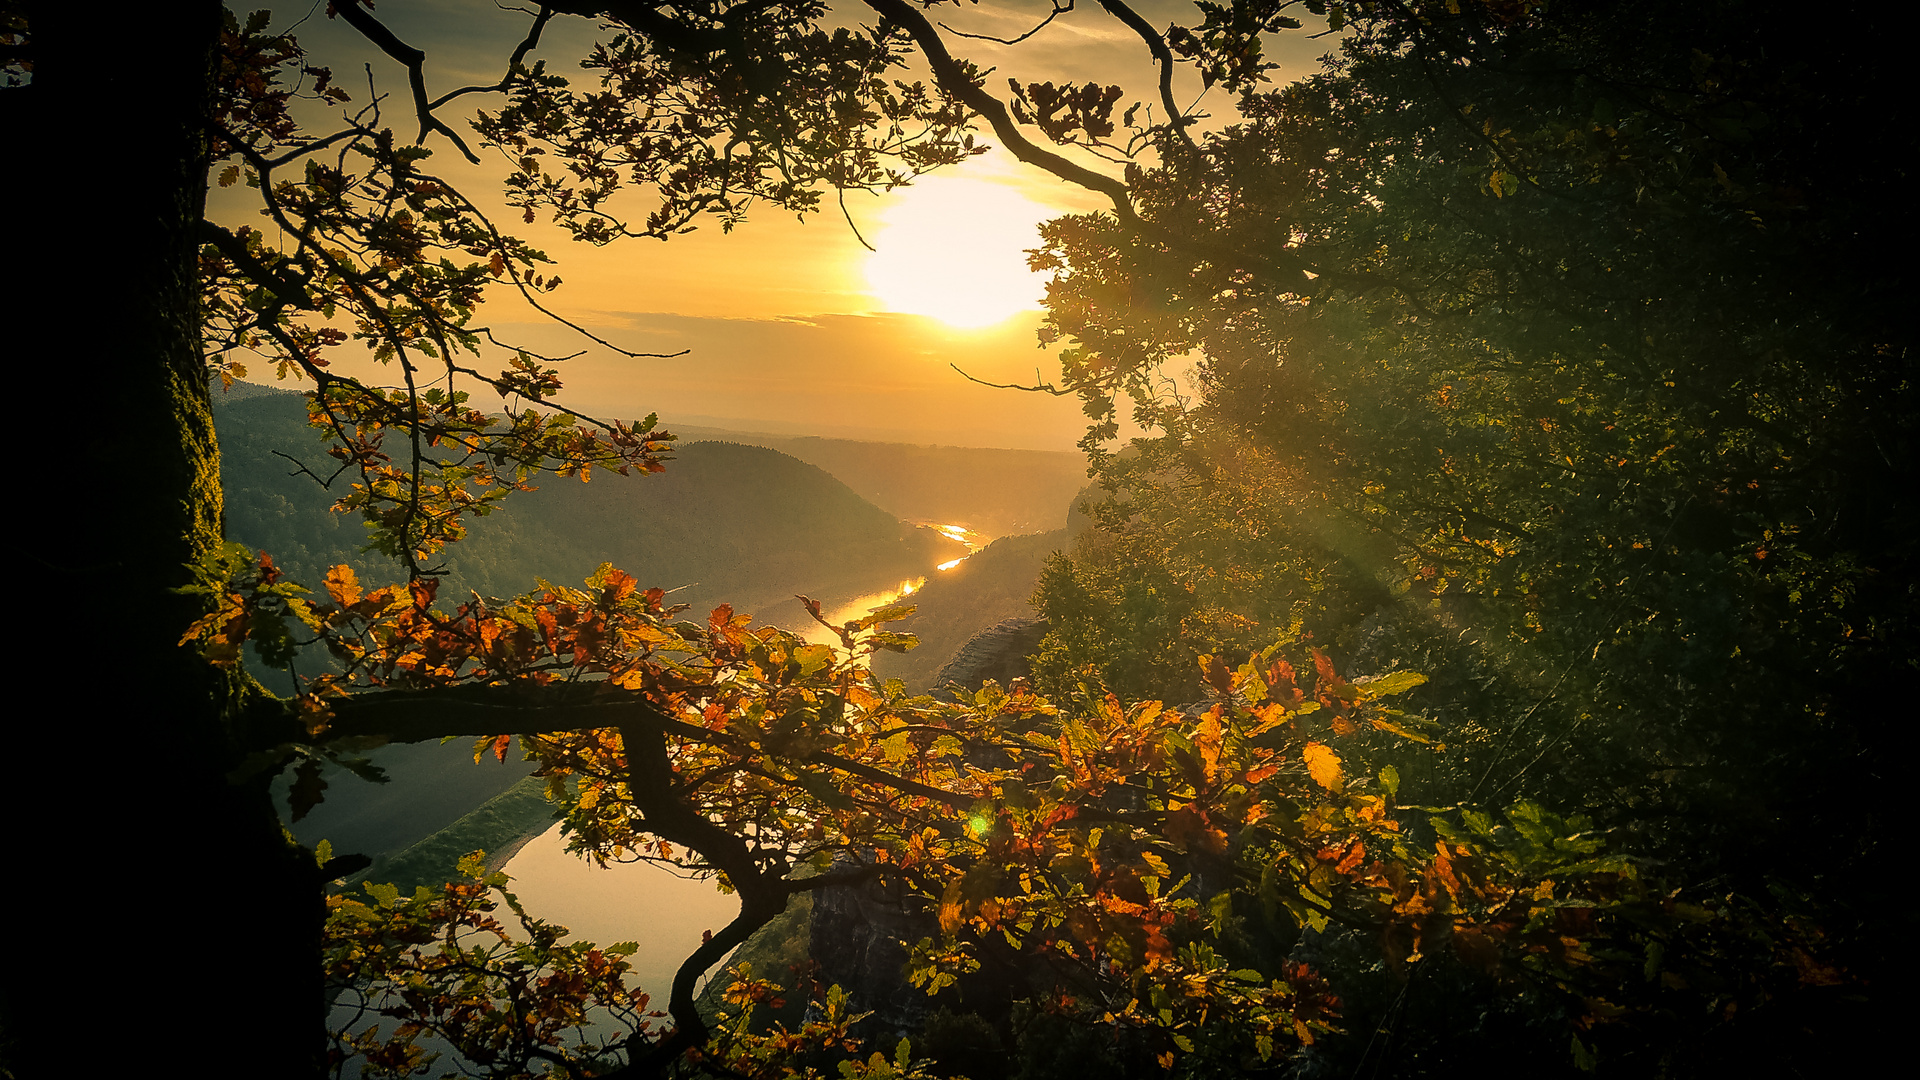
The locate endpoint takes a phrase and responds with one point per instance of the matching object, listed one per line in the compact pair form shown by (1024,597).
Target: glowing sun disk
(955,249)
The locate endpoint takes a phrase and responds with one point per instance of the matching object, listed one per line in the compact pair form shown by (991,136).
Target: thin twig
(1163,56)
(844,212)
(1041,386)
(1057,12)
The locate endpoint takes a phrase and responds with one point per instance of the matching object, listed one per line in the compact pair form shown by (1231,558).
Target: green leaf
(1583,1058)
(1396,682)
(823,789)
(813,658)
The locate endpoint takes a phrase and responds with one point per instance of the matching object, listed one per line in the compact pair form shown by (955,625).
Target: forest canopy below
(1486,659)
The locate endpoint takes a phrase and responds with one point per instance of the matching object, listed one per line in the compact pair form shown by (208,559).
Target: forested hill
(996,492)
(726,522)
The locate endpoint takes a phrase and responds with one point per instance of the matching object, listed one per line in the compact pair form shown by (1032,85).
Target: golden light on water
(954,248)
(959,534)
(841,614)
(860,605)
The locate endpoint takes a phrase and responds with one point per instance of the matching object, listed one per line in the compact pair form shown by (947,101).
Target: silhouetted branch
(415,62)
(526,46)
(290,292)
(419,715)
(300,467)
(1056,13)
(1041,386)
(1163,56)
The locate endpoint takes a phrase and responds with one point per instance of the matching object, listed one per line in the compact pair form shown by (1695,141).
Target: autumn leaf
(1323,765)
(1207,739)
(951,907)
(343,585)
(1218,674)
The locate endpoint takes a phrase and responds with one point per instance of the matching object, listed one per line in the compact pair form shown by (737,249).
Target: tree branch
(419,715)
(763,895)
(519,54)
(290,291)
(958,80)
(1058,10)
(1163,56)
(415,62)
(1040,386)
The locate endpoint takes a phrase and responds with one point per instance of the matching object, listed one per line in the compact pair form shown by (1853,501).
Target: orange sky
(793,326)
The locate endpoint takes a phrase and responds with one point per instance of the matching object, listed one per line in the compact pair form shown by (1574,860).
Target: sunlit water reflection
(667,915)
(843,613)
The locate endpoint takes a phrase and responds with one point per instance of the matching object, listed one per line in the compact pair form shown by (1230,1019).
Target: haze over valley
(745,518)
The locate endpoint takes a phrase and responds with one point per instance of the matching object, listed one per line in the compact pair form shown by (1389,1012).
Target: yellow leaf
(343,585)
(1323,765)
(952,912)
(1207,740)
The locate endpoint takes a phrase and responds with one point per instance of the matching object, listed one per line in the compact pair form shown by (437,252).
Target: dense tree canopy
(1541,351)
(1600,410)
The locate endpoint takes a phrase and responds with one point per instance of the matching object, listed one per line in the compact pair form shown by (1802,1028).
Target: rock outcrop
(860,935)
(999,652)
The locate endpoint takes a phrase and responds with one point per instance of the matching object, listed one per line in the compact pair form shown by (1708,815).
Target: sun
(954,249)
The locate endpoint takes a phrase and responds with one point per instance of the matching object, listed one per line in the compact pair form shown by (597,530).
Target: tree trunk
(164,914)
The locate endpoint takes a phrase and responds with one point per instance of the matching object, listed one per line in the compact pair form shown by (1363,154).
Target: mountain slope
(956,604)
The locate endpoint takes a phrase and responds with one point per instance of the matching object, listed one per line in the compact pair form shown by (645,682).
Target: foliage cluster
(1596,403)
(1535,353)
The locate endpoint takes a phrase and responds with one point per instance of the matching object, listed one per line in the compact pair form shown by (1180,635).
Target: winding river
(667,915)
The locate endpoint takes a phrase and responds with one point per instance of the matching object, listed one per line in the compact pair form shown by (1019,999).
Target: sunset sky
(793,326)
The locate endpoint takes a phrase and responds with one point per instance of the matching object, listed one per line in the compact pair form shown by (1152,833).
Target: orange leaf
(1207,740)
(1323,765)
(343,585)
(1218,674)
(951,910)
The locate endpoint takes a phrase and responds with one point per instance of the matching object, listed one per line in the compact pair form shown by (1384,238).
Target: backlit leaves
(1323,765)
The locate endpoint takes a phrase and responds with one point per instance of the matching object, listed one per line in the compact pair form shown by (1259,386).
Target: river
(666,914)
(642,902)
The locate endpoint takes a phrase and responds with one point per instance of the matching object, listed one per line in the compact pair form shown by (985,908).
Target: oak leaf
(1323,765)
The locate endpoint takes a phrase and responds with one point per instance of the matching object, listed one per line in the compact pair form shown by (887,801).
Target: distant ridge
(246,391)
(994,492)
(731,522)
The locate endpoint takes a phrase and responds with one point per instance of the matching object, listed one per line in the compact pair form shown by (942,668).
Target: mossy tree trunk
(164,914)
